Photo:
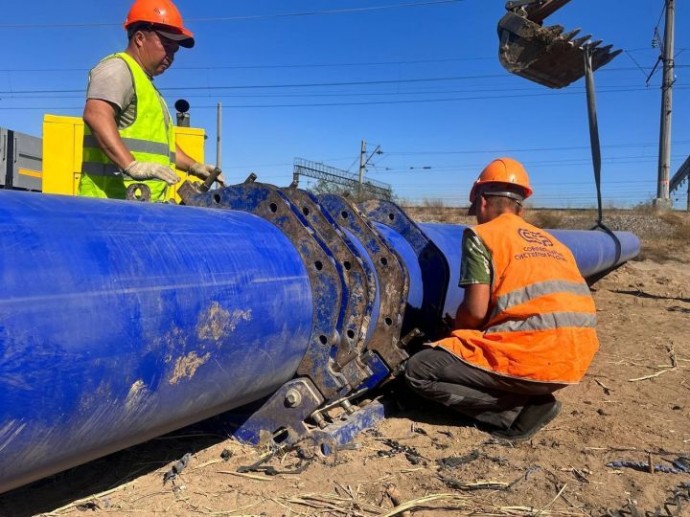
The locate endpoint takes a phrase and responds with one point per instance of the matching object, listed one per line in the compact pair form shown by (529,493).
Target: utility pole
(663,198)
(219,136)
(362,164)
(363,160)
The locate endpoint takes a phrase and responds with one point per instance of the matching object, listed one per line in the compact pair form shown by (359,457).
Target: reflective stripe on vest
(551,320)
(134,145)
(541,319)
(149,138)
(519,296)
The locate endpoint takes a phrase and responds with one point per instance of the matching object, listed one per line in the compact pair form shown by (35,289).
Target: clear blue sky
(311,79)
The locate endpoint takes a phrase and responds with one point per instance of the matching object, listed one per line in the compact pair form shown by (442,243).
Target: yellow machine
(62,153)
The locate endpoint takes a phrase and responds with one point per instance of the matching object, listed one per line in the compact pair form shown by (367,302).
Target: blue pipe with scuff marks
(121,321)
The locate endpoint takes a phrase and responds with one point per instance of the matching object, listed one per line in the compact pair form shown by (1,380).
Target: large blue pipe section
(121,321)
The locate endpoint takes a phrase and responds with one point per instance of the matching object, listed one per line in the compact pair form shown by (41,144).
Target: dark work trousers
(492,399)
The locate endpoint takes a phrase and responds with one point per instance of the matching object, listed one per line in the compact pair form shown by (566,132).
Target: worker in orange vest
(525,327)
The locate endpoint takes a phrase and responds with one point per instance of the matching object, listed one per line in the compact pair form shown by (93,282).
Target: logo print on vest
(535,237)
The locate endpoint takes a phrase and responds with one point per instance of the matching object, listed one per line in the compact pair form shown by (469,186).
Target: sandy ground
(633,406)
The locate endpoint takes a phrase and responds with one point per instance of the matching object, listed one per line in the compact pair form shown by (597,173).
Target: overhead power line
(288,65)
(360,103)
(215,67)
(313,85)
(324,12)
(292,85)
(235,18)
(524,149)
(277,95)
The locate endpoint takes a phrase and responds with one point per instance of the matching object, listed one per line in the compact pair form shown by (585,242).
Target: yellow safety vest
(149,138)
(541,320)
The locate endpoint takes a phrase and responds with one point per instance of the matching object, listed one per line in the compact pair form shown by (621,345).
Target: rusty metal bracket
(432,262)
(393,280)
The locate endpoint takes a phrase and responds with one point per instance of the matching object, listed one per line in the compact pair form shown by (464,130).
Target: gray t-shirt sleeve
(111,81)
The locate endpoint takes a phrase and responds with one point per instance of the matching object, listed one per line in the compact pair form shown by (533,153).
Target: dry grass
(663,234)
(680,223)
(546,218)
(666,237)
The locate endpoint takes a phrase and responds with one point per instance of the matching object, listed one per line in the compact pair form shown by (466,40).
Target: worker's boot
(535,415)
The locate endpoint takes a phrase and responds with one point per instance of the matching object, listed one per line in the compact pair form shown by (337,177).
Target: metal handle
(206,185)
(15,151)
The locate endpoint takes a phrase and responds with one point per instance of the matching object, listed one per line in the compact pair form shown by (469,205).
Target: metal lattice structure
(682,174)
(320,171)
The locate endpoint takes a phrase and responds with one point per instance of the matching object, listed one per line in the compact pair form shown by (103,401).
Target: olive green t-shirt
(475,265)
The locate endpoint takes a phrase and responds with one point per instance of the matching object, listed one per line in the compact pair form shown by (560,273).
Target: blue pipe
(594,251)
(121,321)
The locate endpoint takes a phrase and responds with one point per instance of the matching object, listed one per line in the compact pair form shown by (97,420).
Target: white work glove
(203,171)
(148,171)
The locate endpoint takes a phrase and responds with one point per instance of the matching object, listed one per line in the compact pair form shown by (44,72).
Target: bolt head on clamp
(293,398)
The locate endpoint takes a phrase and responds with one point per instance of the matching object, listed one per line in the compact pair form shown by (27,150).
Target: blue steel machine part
(325,274)
(295,401)
(330,437)
(121,321)
(336,365)
(362,366)
(359,309)
(433,266)
(391,273)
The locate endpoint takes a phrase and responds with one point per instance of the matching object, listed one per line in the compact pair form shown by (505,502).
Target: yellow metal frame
(62,153)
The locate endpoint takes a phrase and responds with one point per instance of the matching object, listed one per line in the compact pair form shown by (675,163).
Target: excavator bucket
(545,55)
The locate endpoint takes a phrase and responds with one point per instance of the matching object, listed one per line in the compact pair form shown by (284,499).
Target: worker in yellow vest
(525,327)
(128,133)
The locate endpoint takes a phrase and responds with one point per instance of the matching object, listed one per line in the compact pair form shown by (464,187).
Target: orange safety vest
(541,317)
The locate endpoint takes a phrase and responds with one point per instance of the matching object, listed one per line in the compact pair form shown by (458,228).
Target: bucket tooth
(556,30)
(570,35)
(599,59)
(600,52)
(581,41)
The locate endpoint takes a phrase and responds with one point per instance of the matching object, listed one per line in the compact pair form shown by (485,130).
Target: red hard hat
(503,170)
(162,14)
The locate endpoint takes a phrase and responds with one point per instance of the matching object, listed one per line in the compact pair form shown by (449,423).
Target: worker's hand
(203,171)
(148,171)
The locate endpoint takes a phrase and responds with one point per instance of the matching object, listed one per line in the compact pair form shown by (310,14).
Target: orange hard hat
(163,15)
(503,170)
